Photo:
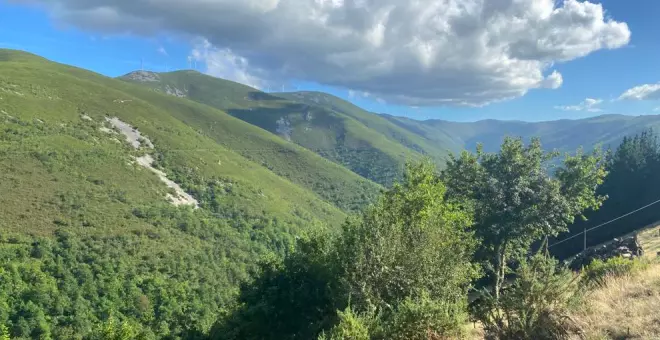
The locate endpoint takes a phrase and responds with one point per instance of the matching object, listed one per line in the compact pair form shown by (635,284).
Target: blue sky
(602,75)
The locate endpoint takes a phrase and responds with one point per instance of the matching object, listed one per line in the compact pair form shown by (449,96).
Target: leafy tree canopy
(515,199)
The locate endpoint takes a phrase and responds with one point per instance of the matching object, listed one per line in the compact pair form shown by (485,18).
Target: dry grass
(474,331)
(624,308)
(650,240)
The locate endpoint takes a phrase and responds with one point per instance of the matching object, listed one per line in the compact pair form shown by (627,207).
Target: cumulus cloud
(223,63)
(422,52)
(589,105)
(642,92)
(162,51)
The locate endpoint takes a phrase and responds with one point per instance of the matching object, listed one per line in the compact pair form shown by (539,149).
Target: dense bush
(294,298)
(350,326)
(422,318)
(154,284)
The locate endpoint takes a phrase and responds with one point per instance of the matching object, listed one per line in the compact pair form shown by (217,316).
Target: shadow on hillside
(267,115)
(262,96)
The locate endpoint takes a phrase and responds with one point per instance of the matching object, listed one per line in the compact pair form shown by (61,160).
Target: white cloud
(358,94)
(657,109)
(421,52)
(642,92)
(162,51)
(223,63)
(553,81)
(589,105)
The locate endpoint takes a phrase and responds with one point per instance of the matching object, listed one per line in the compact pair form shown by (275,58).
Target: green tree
(411,244)
(633,181)
(4,332)
(516,202)
(404,265)
(293,298)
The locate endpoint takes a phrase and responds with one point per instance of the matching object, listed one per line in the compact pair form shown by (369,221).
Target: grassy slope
(649,238)
(334,135)
(57,94)
(624,308)
(85,233)
(373,121)
(329,180)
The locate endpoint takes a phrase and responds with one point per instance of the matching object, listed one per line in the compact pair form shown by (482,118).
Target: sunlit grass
(623,308)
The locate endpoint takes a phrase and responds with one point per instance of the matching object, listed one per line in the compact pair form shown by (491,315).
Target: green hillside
(87,233)
(337,136)
(372,145)
(346,133)
(330,181)
(435,149)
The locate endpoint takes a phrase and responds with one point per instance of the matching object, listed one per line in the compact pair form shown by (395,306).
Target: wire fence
(584,233)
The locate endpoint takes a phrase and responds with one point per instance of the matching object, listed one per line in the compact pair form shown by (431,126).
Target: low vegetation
(623,307)
(535,306)
(599,271)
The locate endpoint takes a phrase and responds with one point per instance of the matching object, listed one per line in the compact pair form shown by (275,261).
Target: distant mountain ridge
(365,142)
(564,135)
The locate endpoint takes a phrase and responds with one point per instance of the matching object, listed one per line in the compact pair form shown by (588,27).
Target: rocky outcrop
(143,76)
(173,91)
(628,247)
(283,128)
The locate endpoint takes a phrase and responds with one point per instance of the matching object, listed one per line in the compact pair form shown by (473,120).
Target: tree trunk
(499,271)
(500,266)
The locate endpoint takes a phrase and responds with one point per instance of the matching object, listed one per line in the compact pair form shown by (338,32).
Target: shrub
(598,270)
(409,241)
(351,326)
(535,306)
(424,318)
(4,332)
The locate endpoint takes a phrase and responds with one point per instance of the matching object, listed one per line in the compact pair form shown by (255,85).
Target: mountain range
(302,149)
(186,180)
(365,142)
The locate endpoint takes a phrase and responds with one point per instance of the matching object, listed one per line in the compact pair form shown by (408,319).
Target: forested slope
(87,234)
(437,150)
